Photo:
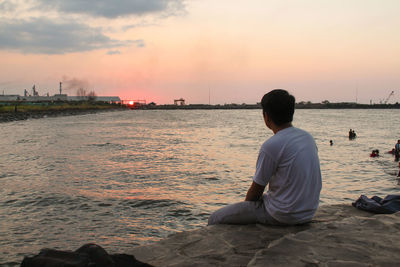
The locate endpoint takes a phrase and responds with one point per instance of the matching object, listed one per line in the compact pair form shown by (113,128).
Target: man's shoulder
(297,132)
(291,132)
(292,137)
(274,142)
(287,135)
(300,131)
(280,138)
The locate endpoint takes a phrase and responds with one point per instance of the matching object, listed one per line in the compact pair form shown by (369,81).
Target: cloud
(7,6)
(64,26)
(113,52)
(41,35)
(138,43)
(116,8)
(141,24)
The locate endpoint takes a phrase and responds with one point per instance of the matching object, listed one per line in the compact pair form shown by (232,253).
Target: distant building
(9,97)
(34,97)
(179,102)
(58,97)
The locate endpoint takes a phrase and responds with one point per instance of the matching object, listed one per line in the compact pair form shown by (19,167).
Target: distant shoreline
(258,106)
(24,115)
(36,114)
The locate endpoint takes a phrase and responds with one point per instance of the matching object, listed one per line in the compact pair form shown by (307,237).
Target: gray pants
(246,212)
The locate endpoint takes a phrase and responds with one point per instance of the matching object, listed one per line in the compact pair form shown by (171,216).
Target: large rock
(339,235)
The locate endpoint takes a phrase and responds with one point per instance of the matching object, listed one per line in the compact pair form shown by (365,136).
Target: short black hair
(279,106)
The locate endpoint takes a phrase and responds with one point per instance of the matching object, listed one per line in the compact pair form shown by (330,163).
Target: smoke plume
(74,84)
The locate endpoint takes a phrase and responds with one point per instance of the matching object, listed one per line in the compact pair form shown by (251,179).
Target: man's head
(278,105)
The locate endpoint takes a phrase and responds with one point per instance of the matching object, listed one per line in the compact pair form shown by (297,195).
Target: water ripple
(126,178)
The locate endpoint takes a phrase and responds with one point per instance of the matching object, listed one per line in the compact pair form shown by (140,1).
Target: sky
(204,51)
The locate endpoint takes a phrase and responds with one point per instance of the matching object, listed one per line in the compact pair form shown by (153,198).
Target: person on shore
(331,142)
(288,163)
(397,150)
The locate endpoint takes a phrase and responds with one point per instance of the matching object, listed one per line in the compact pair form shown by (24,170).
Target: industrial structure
(387,99)
(179,102)
(35,97)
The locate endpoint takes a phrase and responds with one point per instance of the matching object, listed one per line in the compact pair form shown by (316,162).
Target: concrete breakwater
(17,116)
(339,235)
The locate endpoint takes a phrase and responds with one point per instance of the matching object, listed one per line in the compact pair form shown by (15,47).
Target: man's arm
(255,192)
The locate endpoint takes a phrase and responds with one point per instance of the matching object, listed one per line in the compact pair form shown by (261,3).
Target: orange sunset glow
(218,51)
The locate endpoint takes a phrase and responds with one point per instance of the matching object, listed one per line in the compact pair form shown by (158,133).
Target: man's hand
(255,192)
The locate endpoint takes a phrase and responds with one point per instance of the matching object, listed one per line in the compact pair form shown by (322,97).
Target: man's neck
(277,128)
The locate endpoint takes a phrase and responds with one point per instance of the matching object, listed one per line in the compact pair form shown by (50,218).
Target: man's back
(289,164)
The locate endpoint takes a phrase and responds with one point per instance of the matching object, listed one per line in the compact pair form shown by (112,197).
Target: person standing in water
(352,134)
(397,150)
(398,175)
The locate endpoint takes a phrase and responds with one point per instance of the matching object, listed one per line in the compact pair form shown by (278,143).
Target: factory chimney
(60,88)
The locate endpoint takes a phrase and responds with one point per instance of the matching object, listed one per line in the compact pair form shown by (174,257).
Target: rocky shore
(17,116)
(339,235)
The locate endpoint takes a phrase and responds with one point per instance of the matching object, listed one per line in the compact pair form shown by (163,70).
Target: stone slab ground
(339,235)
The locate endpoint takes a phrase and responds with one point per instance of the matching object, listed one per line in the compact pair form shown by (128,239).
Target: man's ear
(266,118)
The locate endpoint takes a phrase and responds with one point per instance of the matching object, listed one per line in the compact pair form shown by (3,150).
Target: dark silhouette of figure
(397,151)
(375,153)
(398,175)
(352,134)
(331,142)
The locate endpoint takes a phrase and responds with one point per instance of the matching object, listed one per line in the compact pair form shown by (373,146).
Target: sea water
(128,178)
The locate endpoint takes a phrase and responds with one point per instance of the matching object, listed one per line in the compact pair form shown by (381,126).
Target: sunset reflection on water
(127,178)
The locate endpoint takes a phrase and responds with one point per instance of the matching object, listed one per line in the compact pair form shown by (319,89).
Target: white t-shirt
(288,162)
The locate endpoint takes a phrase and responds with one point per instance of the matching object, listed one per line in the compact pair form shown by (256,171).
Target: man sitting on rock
(288,163)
